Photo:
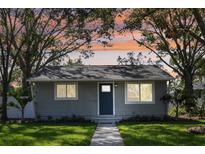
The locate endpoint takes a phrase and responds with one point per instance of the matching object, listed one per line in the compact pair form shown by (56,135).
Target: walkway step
(107,135)
(106,119)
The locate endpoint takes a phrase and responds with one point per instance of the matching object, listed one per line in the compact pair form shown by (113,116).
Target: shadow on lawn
(46,134)
(160,133)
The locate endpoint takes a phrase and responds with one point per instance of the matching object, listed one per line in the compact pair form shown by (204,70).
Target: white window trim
(140,102)
(67,98)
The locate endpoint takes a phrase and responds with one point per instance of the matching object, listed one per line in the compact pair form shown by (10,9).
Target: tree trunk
(25,83)
(177,110)
(189,93)
(4,102)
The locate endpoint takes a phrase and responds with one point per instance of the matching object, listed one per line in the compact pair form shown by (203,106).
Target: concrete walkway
(107,135)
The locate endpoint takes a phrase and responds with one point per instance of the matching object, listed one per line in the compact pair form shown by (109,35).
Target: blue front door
(106,98)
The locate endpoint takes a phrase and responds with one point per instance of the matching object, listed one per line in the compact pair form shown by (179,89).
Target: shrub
(63,119)
(150,118)
(172,111)
(74,118)
(19,95)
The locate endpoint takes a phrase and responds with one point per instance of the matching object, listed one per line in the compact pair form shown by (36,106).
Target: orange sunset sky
(121,44)
(123,41)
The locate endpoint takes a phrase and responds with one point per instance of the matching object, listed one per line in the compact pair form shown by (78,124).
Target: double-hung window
(66,91)
(137,93)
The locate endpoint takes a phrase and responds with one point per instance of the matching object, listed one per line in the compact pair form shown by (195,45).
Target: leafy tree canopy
(163,32)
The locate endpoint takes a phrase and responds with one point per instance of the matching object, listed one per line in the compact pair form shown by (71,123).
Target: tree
(176,99)
(9,36)
(34,38)
(74,62)
(198,14)
(200,93)
(51,34)
(175,95)
(162,34)
(19,95)
(131,59)
(139,58)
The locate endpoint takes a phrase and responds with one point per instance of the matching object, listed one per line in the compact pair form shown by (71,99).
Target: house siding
(87,103)
(158,108)
(46,105)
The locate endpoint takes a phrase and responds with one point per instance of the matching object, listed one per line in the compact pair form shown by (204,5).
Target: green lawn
(156,133)
(46,134)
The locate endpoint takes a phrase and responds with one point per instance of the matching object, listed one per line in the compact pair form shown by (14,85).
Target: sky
(108,55)
(121,44)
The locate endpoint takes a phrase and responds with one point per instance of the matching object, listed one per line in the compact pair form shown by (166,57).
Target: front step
(106,119)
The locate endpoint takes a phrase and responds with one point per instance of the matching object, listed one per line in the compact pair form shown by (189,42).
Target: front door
(106,98)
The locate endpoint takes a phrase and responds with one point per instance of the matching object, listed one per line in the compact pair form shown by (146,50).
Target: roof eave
(64,80)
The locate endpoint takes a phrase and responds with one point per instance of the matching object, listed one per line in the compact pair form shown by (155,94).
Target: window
(61,91)
(139,93)
(146,92)
(66,91)
(71,90)
(133,92)
(106,88)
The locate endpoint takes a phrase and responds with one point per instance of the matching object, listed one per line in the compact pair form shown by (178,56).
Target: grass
(41,134)
(160,133)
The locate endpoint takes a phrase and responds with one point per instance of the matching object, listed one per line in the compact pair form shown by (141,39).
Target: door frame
(98,97)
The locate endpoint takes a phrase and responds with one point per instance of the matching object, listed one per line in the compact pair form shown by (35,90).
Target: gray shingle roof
(101,72)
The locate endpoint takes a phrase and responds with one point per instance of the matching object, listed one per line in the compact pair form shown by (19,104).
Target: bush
(64,119)
(153,119)
(20,95)
(172,111)
(139,118)
(74,118)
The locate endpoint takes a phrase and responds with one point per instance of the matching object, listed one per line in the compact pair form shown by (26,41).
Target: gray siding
(156,109)
(86,105)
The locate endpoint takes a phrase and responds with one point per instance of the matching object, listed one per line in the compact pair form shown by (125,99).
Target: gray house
(100,93)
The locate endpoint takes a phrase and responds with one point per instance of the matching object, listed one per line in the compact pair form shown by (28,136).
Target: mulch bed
(197,130)
(186,116)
